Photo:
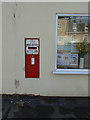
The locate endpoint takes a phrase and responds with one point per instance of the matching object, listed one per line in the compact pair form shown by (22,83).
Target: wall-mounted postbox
(32,60)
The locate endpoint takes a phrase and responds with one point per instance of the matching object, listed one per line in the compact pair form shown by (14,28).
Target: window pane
(73,45)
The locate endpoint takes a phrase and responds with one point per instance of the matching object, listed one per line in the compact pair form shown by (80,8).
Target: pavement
(40,107)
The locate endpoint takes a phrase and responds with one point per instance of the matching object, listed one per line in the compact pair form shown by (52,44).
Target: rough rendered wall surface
(21,20)
(0,47)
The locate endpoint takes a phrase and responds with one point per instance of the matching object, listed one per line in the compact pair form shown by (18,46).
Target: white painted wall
(37,20)
(0,47)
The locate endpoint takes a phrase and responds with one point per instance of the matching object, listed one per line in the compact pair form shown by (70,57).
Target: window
(72,44)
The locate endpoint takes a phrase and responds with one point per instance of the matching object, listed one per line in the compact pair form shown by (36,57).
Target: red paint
(32,71)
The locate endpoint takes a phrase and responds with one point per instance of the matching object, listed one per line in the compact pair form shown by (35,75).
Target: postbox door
(32,60)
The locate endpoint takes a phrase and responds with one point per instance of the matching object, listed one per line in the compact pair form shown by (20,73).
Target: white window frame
(67,71)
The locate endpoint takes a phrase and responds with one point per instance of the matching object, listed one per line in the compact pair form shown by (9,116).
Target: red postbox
(32,60)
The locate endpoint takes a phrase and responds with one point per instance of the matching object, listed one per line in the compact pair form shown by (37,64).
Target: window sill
(72,71)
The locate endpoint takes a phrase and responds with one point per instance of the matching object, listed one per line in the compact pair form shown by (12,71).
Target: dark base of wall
(44,107)
(32,95)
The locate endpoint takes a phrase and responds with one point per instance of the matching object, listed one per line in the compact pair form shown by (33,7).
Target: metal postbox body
(32,60)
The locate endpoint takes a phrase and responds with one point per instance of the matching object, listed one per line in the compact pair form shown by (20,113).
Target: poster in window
(66,59)
(73,47)
(60,59)
(73,59)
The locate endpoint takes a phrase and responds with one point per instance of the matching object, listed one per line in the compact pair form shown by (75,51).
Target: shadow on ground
(36,107)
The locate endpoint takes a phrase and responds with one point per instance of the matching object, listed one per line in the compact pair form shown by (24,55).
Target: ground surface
(31,107)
